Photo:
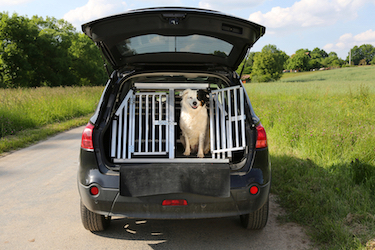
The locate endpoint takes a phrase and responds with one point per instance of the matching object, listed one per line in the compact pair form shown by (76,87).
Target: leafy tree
(83,50)
(268,64)
(365,51)
(46,52)
(332,60)
(57,60)
(317,58)
(17,51)
(318,54)
(368,52)
(299,61)
(315,63)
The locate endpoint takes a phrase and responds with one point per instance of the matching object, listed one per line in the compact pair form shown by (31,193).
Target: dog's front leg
(200,145)
(187,144)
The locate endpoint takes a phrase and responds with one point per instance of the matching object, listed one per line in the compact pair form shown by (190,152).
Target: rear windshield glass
(154,43)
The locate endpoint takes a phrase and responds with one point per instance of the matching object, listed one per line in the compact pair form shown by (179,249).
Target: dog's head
(194,98)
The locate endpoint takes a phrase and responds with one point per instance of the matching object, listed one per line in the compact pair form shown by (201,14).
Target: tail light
(174,203)
(254,190)
(262,137)
(94,190)
(86,142)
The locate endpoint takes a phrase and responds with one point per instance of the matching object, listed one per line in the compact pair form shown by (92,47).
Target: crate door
(141,126)
(227,121)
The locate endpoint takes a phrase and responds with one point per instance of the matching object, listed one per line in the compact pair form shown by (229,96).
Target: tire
(93,221)
(256,220)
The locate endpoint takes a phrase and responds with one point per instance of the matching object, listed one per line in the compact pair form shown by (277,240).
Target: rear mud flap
(155,179)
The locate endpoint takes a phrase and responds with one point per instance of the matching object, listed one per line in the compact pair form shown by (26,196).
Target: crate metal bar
(124,141)
(226,150)
(132,128)
(242,104)
(146,125)
(212,134)
(167,160)
(217,125)
(153,122)
(140,122)
(174,86)
(160,126)
(236,118)
(170,126)
(223,123)
(148,153)
(229,122)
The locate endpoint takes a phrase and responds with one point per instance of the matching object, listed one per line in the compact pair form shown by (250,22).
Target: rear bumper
(109,202)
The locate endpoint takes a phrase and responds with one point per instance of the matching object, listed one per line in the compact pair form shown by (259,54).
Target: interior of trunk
(145,127)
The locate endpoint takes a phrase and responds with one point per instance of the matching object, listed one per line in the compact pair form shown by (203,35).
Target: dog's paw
(187,153)
(200,155)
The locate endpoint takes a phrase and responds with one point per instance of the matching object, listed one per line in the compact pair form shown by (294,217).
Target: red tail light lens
(262,137)
(174,203)
(94,190)
(254,190)
(86,142)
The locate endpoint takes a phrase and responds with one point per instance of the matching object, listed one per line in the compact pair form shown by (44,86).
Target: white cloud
(348,41)
(94,9)
(225,5)
(366,37)
(13,2)
(308,13)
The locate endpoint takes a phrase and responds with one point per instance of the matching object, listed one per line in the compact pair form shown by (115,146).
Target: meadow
(321,132)
(31,114)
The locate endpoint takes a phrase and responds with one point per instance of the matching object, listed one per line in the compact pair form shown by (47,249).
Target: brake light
(174,203)
(86,142)
(94,190)
(254,190)
(262,137)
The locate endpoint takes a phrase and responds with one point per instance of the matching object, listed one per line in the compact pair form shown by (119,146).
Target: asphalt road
(39,209)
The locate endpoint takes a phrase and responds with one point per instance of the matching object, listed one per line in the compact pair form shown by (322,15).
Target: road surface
(39,209)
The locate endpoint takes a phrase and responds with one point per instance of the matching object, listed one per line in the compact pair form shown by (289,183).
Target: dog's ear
(204,97)
(184,92)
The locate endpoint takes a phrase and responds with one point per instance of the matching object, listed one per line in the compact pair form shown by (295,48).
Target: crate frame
(130,145)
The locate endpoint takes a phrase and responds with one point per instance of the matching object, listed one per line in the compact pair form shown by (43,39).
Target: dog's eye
(190,97)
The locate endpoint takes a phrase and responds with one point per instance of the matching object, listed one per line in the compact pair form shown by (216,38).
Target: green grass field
(321,132)
(28,115)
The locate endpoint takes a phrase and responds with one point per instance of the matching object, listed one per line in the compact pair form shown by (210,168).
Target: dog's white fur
(194,124)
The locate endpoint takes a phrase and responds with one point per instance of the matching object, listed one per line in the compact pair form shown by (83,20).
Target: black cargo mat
(154,179)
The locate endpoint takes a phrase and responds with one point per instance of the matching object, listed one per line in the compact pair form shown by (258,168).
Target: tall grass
(22,109)
(321,132)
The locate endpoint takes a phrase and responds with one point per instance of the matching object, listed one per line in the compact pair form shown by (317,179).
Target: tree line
(38,52)
(269,64)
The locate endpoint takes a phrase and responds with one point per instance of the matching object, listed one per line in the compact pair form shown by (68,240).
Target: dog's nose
(195,103)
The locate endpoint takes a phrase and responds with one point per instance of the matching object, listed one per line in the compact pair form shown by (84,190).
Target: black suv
(132,162)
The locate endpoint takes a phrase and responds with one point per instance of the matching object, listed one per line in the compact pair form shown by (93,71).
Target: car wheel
(257,219)
(93,221)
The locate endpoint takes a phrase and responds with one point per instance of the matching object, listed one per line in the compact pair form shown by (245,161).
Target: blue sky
(332,25)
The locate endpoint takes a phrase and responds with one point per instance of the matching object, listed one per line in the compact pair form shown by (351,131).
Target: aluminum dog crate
(145,124)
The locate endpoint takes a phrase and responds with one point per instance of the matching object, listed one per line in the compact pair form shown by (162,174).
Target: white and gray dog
(194,122)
